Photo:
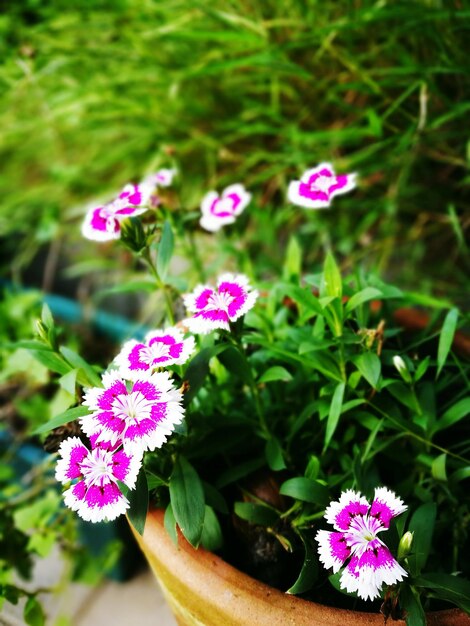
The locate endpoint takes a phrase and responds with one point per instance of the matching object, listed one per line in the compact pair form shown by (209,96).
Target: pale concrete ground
(138,601)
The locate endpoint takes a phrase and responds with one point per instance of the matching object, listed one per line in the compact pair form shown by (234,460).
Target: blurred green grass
(96,93)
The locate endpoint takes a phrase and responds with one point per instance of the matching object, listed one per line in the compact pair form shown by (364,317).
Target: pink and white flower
(95,494)
(140,409)
(215,308)
(161,178)
(357,524)
(217,211)
(160,348)
(103,223)
(318,186)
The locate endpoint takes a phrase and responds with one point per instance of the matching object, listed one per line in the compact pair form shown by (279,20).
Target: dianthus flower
(318,186)
(103,223)
(95,494)
(217,211)
(357,524)
(161,178)
(214,308)
(140,409)
(159,348)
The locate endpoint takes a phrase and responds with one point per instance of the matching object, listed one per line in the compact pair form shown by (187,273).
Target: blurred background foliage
(98,92)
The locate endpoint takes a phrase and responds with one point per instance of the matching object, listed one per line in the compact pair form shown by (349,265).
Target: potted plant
(279,416)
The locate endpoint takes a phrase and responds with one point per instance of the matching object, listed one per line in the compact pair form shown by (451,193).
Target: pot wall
(203,590)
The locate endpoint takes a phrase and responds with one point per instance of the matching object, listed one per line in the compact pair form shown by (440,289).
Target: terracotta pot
(203,590)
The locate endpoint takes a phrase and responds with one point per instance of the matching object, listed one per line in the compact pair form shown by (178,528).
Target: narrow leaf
(187,500)
(256,513)
(170,524)
(422,525)
(165,250)
(305,489)
(275,373)
(138,502)
(274,456)
(332,282)
(62,418)
(369,293)
(33,612)
(309,572)
(334,413)
(212,537)
(446,337)
(369,365)
(92,378)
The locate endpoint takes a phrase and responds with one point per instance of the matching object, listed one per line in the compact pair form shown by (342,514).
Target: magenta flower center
(132,408)
(97,467)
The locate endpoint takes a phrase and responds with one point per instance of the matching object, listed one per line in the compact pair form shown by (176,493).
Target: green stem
(161,285)
(237,343)
(194,253)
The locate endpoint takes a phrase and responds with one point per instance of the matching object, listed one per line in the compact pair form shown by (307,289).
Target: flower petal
(332,549)
(386,505)
(350,504)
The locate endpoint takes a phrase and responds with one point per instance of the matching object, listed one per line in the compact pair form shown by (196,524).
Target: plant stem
(237,343)
(161,285)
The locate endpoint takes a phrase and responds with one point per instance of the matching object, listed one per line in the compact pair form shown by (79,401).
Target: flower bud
(133,234)
(404,547)
(400,364)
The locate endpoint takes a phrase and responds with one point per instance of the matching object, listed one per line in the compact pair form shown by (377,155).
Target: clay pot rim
(185,559)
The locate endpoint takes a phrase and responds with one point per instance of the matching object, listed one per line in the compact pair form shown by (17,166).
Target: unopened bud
(400,364)
(404,547)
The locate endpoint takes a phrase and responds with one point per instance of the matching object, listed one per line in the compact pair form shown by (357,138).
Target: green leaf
(422,525)
(165,250)
(274,455)
(256,513)
(170,524)
(236,364)
(369,365)
(198,369)
(277,372)
(68,382)
(46,316)
(438,468)
(62,418)
(369,293)
(33,612)
(52,361)
(305,299)
(334,413)
(332,283)
(307,490)
(232,474)
(138,502)
(447,587)
(445,338)
(212,537)
(411,603)
(453,415)
(293,261)
(187,500)
(91,377)
(309,572)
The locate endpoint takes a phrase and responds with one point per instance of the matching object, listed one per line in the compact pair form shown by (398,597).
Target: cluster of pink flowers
(103,223)
(135,410)
(138,407)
